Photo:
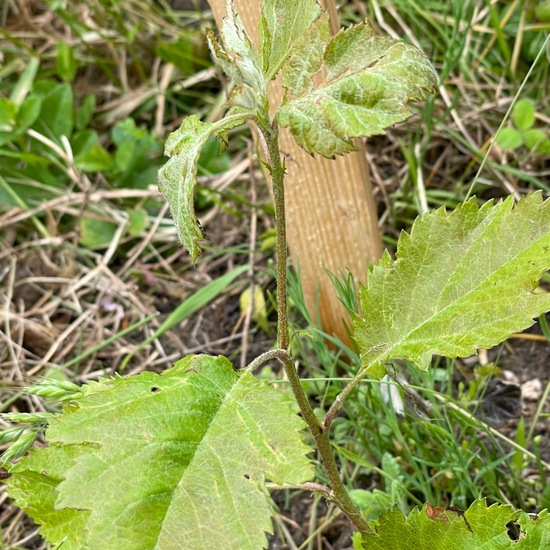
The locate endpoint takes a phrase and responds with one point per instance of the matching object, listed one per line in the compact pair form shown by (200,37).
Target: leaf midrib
(407,336)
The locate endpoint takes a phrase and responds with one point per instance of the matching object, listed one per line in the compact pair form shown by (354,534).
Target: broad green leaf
(168,461)
(461,281)
(83,140)
(282,23)
(367,84)
(437,529)
(178,176)
(33,487)
(544,147)
(523,114)
(509,138)
(371,503)
(28,112)
(136,149)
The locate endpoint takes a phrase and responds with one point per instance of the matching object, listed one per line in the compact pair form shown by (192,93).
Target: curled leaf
(177,178)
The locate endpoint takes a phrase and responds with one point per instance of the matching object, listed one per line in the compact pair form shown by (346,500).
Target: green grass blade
(190,306)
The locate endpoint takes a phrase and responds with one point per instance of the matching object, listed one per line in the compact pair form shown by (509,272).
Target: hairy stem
(277,170)
(338,493)
(339,401)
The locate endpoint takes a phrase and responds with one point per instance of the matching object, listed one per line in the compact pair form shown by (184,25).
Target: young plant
(522,131)
(181,459)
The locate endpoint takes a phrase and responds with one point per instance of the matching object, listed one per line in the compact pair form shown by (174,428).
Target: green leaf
(282,23)
(533,138)
(239,60)
(84,113)
(96,233)
(437,529)
(542,11)
(138,222)
(178,176)
(28,112)
(8,111)
(65,62)
(307,57)
(537,140)
(369,81)
(135,148)
(509,138)
(371,503)
(56,116)
(25,82)
(179,53)
(213,159)
(33,487)
(523,114)
(168,461)
(83,140)
(89,156)
(461,281)
(95,159)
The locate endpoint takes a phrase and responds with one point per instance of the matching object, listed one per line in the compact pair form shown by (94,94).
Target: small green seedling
(181,459)
(522,131)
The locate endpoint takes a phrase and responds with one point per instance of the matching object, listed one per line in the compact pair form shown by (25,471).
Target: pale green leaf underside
(282,23)
(239,60)
(367,83)
(169,461)
(447,530)
(177,178)
(461,281)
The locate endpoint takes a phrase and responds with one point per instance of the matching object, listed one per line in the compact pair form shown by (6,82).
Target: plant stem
(339,401)
(338,495)
(263,358)
(277,170)
(338,492)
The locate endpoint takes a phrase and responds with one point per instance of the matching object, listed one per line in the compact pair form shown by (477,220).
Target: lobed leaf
(437,529)
(367,82)
(33,485)
(177,178)
(460,282)
(168,461)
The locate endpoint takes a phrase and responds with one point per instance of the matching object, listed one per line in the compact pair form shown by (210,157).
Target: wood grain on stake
(331,214)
